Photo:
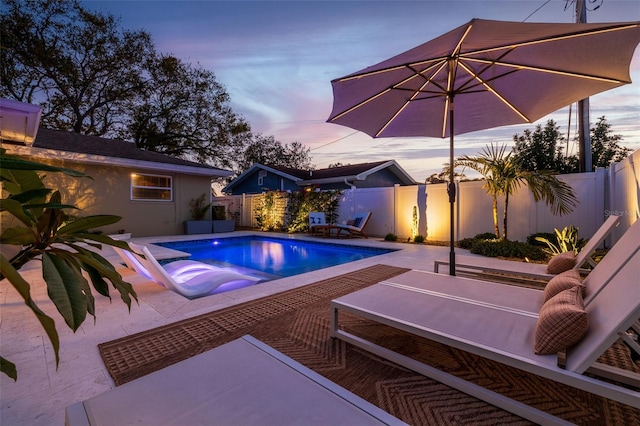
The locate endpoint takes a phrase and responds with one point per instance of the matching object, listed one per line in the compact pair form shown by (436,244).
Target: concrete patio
(41,393)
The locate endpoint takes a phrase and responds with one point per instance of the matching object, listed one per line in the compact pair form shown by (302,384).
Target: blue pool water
(272,258)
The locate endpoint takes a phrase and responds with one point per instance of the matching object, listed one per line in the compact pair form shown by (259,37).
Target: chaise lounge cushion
(562,323)
(564,281)
(561,262)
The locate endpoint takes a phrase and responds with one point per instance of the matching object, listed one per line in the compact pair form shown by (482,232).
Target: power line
(532,13)
(337,140)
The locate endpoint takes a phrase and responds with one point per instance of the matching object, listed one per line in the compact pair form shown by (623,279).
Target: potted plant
(222,222)
(198,225)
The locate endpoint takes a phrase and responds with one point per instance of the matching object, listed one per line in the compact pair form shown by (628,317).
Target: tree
(542,150)
(443,176)
(268,151)
(604,146)
(504,175)
(95,79)
(184,112)
(76,64)
(61,242)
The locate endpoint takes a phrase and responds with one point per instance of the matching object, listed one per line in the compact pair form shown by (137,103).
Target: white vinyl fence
(601,193)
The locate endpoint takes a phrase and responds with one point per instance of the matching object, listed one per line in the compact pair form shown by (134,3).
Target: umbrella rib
(551,39)
(496,94)
(359,104)
(416,93)
(547,70)
(435,61)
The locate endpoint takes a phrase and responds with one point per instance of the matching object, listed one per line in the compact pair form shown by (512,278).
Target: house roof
(96,150)
(354,172)
(341,174)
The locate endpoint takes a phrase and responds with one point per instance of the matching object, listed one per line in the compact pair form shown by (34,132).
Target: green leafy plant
(535,241)
(199,207)
(566,240)
(418,239)
(60,241)
(391,237)
(301,203)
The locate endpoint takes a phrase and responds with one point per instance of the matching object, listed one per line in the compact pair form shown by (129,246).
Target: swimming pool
(270,257)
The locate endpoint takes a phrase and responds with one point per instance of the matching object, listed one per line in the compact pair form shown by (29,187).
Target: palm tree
(504,175)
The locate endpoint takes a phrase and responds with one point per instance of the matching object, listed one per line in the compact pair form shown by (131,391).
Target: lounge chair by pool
(188,278)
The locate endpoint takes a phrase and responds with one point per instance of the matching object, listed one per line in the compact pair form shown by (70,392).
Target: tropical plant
(566,240)
(504,175)
(63,243)
(199,207)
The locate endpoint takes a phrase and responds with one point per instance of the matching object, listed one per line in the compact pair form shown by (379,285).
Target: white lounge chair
(243,382)
(523,298)
(482,264)
(175,267)
(503,334)
(354,227)
(188,279)
(502,329)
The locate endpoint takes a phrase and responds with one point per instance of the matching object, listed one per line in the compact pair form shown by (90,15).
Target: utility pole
(584,135)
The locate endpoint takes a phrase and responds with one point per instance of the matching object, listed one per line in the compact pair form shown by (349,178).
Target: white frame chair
(352,230)
(500,328)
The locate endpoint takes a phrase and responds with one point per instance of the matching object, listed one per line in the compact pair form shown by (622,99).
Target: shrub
(486,236)
(418,239)
(467,243)
(506,248)
(391,237)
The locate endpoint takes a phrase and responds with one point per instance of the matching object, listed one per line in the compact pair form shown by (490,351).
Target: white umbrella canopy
(496,73)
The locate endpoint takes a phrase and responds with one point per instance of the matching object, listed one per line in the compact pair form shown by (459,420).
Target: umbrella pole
(451,190)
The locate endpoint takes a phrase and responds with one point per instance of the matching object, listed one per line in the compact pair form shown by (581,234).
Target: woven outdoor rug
(296,323)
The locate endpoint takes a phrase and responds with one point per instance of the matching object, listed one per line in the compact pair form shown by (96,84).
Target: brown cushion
(562,323)
(563,281)
(561,262)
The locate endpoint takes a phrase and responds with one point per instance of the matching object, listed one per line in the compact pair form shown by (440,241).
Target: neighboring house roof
(355,172)
(342,174)
(96,150)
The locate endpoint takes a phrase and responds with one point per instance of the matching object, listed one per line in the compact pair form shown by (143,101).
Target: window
(261,176)
(151,187)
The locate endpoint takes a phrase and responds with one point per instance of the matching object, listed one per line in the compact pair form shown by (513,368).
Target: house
(260,178)
(150,191)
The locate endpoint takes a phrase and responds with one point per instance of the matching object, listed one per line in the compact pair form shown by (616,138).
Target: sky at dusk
(277,59)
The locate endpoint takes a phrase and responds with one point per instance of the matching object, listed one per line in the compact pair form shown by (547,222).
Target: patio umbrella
(496,73)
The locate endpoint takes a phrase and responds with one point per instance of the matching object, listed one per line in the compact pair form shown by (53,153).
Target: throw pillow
(357,222)
(562,323)
(563,281)
(561,262)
